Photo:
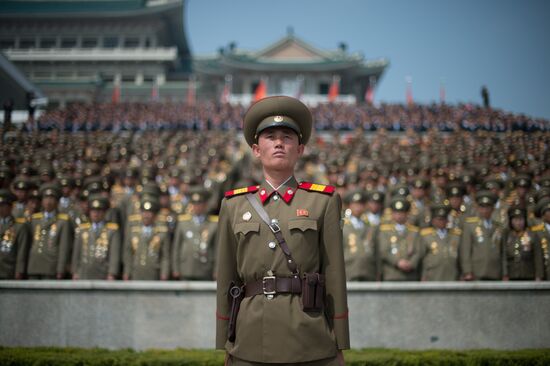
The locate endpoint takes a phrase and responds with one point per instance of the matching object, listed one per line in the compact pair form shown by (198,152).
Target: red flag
(410,100)
(369,95)
(155,92)
(334,89)
(261,91)
(116,93)
(191,92)
(226,92)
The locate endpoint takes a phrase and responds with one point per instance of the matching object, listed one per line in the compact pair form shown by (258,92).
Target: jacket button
(271,245)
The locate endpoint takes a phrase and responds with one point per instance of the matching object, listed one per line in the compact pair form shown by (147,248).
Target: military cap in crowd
(486,198)
(492,183)
(5,173)
(47,170)
(6,197)
(84,195)
(50,189)
(517,211)
(356,195)
(94,184)
(542,206)
(545,181)
(455,189)
(522,180)
(98,202)
(400,190)
(376,196)
(198,195)
(543,192)
(21,183)
(440,172)
(65,181)
(468,178)
(400,203)
(421,183)
(277,111)
(149,203)
(440,210)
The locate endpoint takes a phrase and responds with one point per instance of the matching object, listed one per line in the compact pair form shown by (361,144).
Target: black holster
(313,292)
(235,295)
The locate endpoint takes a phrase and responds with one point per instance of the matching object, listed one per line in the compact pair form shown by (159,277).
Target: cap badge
(399,205)
(278,119)
(147,205)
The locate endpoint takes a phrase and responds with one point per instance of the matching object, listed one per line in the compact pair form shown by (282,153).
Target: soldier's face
(485,211)
(20,194)
(455,202)
(439,222)
(357,208)
(49,203)
(546,216)
(147,217)
(518,223)
(374,207)
(97,215)
(399,216)
(278,149)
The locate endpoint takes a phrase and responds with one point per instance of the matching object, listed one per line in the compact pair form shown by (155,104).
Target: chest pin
(247,216)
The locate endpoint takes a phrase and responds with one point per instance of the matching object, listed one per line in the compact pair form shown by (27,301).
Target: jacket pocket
(246,227)
(303,224)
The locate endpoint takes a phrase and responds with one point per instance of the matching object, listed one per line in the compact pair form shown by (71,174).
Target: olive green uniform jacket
(96,253)
(51,245)
(14,237)
(522,255)
(194,247)
(278,330)
(439,255)
(394,246)
(543,236)
(360,251)
(481,249)
(147,255)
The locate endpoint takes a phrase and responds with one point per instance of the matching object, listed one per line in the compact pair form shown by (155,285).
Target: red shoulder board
(313,187)
(236,192)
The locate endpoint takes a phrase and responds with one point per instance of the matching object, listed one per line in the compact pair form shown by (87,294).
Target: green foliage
(42,356)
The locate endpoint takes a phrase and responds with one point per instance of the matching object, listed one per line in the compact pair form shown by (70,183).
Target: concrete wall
(142,315)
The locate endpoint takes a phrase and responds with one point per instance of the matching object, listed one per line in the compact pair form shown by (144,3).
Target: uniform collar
(286,191)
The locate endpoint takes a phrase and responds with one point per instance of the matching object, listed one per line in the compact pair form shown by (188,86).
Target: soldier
(194,247)
(14,237)
(66,202)
(359,249)
(480,247)
(52,237)
(398,244)
(439,247)
(280,244)
(419,214)
(458,209)
(500,209)
(147,246)
(522,256)
(96,254)
(542,230)
(375,207)
(21,188)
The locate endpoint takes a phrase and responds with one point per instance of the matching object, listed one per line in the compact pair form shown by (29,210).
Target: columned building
(290,66)
(98,50)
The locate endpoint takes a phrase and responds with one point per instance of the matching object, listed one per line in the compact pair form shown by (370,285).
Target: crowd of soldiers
(208,115)
(142,205)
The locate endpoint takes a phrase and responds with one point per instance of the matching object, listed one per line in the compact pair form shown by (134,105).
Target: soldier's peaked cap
(277,111)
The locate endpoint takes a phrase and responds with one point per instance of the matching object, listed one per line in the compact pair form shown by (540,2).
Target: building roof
(15,85)
(171,12)
(289,54)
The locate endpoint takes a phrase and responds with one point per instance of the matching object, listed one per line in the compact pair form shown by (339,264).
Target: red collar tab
(287,195)
(313,187)
(239,191)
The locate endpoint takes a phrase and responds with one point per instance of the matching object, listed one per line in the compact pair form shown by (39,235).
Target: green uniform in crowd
(194,246)
(359,243)
(14,236)
(52,239)
(147,247)
(481,243)
(272,326)
(542,231)
(96,253)
(439,248)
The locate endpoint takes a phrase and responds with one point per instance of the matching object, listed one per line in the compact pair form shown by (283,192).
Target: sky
(503,44)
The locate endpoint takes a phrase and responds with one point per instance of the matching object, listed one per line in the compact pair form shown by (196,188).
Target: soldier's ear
(301,148)
(256,150)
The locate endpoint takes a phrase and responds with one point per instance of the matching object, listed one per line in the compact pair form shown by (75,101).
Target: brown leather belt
(271,285)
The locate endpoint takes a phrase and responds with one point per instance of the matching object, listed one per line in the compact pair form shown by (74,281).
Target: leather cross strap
(271,285)
(276,229)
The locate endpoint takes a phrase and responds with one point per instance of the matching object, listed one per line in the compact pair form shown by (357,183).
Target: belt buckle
(274,226)
(269,294)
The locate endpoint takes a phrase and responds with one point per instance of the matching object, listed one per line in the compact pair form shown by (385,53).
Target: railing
(93,54)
